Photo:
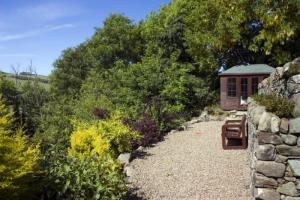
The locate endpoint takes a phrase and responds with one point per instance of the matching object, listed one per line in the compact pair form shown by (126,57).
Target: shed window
(244,88)
(231,87)
(254,85)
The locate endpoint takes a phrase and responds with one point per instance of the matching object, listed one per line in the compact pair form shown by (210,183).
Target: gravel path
(191,165)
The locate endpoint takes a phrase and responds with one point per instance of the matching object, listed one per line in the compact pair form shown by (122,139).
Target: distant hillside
(25,76)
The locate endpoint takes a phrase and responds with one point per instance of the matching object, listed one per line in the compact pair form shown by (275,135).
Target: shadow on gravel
(132,195)
(140,155)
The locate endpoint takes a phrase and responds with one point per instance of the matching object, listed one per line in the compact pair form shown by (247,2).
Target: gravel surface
(191,165)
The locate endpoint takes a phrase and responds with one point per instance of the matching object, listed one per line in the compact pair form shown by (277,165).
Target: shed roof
(249,69)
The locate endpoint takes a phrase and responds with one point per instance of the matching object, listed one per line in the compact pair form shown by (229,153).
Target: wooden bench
(233,131)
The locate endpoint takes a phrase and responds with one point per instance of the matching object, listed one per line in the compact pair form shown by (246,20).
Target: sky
(37,31)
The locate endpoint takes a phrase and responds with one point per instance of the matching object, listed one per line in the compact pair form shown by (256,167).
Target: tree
(18,159)
(118,39)
(224,29)
(69,72)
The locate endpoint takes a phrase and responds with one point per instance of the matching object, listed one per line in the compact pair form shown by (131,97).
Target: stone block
(289,139)
(265,122)
(280,158)
(270,168)
(275,123)
(287,150)
(268,138)
(267,194)
(265,152)
(264,182)
(294,126)
(288,189)
(284,125)
(295,167)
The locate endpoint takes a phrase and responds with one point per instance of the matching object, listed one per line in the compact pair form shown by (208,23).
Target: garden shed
(239,82)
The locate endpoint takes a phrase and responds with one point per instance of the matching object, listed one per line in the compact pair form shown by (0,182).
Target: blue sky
(39,30)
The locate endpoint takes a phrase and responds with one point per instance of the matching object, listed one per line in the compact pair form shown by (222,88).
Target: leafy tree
(118,39)
(69,71)
(225,28)
(19,160)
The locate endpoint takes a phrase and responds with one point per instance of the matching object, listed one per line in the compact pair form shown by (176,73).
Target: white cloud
(8,37)
(50,11)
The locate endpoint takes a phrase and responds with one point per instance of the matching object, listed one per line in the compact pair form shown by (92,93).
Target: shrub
(118,135)
(86,141)
(280,106)
(148,130)
(18,160)
(92,177)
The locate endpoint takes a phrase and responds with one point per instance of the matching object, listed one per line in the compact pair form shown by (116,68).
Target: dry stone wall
(274,143)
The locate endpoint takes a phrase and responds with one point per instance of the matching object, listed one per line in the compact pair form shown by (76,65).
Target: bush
(92,177)
(86,141)
(148,130)
(280,106)
(18,160)
(118,135)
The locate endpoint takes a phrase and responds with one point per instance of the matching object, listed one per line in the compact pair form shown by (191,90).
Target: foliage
(258,31)
(280,106)
(69,72)
(56,125)
(148,130)
(89,171)
(26,101)
(87,178)
(18,159)
(86,141)
(118,135)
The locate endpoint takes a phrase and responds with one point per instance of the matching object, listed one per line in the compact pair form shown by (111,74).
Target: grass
(24,76)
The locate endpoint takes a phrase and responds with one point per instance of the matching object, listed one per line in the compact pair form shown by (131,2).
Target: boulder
(267,194)
(124,158)
(270,168)
(292,68)
(289,139)
(296,78)
(257,113)
(268,138)
(294,126)
(129,171)
(295,167)
(298,142)
(265,182)
(284,125)
(265,122)
(286,150)
(265,152)
(275,123)
(295,99)
(288,189)
(280,158)
(293,84)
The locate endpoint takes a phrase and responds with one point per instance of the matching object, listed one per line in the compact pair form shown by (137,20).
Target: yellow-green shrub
(118,135)
(18,160)
(86,141)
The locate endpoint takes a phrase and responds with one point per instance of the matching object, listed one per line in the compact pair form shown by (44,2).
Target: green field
(25,76)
